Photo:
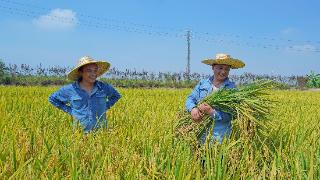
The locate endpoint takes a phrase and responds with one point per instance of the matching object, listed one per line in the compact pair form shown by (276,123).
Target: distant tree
(313,80)
(3,68)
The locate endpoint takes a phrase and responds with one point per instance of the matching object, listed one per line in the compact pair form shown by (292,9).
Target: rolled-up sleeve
(112,94)
(60,99)
(193,98)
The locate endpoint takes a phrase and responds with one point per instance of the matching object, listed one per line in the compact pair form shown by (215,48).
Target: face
(221,71)
(89,73)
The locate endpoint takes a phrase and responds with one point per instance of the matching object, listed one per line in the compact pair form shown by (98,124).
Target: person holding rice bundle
(87,99)
(221,66)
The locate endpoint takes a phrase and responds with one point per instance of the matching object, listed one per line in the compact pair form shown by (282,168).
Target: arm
(112,94)
(191,104)
(193,98)
(60,99)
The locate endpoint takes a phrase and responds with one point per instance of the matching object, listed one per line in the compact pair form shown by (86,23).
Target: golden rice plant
(37,141)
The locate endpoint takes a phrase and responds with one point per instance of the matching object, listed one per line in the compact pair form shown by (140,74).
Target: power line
(110,20)
(88,23)
(237,36)
(102,23)
(251,37)
(245,43)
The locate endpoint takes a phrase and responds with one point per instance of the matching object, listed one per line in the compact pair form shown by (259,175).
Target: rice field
(37,141)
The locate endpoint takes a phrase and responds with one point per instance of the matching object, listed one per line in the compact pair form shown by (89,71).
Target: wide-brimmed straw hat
(103,67)
(225,59)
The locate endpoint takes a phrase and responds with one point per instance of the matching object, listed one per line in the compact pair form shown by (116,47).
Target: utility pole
(188,56)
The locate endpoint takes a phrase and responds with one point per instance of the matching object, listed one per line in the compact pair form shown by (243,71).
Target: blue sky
(271,37)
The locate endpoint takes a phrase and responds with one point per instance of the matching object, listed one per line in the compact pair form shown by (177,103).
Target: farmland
(38,141)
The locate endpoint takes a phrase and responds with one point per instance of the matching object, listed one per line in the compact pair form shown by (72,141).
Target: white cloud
(303,48)
(289,31)
(57,19)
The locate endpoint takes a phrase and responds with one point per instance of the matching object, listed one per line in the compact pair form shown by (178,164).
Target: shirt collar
(225,83)
(96,86)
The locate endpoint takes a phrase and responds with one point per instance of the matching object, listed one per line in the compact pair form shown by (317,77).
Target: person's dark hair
(80,69)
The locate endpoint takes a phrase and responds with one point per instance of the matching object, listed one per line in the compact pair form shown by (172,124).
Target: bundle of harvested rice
(249,104)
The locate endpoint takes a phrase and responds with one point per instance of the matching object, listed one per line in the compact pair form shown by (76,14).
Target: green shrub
(313,80)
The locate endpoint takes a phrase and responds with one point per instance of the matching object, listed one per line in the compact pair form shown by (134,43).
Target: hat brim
(233,63)
(103,67)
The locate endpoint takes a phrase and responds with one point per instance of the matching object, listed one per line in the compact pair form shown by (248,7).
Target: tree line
(26,75)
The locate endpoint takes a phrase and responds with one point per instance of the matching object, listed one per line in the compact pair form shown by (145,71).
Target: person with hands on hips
(86,99)
(221,66)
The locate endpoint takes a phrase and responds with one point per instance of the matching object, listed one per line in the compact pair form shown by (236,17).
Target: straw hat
(103,67)
(225,59)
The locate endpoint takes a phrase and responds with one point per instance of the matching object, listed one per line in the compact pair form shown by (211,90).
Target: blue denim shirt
(222,123)
(87,109)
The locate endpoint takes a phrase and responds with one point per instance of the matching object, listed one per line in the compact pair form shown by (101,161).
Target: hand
(206,108)
(196,115)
